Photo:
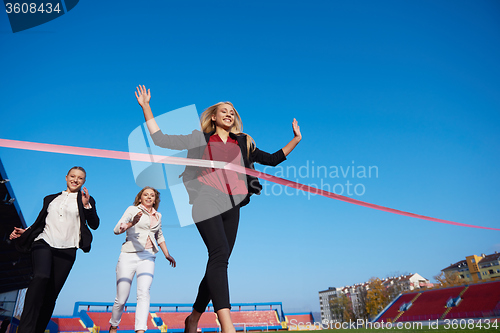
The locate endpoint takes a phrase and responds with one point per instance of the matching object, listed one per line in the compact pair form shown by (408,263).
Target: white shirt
(62,224)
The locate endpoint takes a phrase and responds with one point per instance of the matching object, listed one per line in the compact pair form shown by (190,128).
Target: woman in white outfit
(144,239)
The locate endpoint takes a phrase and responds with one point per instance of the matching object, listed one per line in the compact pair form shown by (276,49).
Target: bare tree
(341,308)
(449,279)
(360,308)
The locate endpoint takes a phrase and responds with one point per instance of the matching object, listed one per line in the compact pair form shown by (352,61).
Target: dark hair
(78,168)
(137,200)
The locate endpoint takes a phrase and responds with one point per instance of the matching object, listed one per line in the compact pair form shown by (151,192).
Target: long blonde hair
(208,125)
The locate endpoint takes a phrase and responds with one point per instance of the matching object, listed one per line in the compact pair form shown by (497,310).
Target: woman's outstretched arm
(296,138)
(163,247)
(143,97)
(177,142)
(259,156)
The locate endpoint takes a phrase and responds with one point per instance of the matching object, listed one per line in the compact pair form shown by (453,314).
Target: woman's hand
(171,260)
(136,218)
(16,233)
(125,226)
(143,96)
(163,247)
(296,130)
(296,138)
(85,197)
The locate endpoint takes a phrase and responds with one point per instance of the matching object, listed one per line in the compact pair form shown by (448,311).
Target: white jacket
(138,234)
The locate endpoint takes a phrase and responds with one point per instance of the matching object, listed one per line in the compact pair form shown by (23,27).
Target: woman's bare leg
(226,324)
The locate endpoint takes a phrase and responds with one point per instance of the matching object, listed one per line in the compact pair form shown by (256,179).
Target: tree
(376,296)
(449,279)
(396,288)
(360,308)
(341,308)
(398,284)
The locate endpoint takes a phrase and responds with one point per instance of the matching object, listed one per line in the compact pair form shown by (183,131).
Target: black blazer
(88,218)
(196,143)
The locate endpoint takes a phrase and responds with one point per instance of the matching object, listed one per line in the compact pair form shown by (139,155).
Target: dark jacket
(196,143)
(88,218)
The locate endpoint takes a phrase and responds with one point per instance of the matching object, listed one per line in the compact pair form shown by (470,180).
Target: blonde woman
(142,222)
(216,194)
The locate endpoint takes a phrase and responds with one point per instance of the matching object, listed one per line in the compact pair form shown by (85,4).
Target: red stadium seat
(478,301)
(70,325)
(473,301)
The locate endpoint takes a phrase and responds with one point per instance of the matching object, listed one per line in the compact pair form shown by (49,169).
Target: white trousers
(140,263)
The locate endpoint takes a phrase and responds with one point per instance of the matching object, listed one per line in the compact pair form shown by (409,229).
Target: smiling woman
(216,194)
(61,228)
(144,239)
(75,179)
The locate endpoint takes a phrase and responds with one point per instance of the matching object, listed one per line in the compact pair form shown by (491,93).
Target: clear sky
(409,88)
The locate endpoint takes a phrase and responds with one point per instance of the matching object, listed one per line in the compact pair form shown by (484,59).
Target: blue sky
(408,87)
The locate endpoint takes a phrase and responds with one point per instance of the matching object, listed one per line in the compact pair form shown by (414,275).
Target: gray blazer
(138,234)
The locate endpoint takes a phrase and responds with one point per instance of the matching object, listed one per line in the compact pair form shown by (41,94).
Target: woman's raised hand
(296,138)
(125,226)
(136,218)
(143,96)
(85,197)
(296,129)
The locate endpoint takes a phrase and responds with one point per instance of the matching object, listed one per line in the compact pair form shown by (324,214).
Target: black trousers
(219,234)
(51,268)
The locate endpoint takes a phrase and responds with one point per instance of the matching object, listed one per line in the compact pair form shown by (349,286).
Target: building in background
(356,292)
(408,282)
(324,302)
(476,268)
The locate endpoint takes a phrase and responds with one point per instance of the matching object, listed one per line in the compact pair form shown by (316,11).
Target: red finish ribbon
(103,153)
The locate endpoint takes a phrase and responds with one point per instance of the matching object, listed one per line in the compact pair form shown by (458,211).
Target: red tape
(120,155)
